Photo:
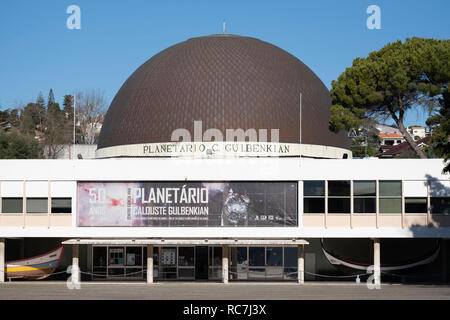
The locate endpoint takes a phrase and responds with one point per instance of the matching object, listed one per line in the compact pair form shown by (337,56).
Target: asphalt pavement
(217,291)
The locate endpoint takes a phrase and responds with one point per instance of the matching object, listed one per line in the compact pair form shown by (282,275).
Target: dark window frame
(313,197)
(334,198)
(407,211)
(365,197)
(12,198)
(389,197)
(53,210)
(432,206)
(28,210)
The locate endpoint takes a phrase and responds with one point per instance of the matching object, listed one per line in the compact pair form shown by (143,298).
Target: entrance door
(201,263)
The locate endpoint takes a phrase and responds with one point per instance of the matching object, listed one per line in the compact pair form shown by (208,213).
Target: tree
(56,136)
(52,105)
(51,98)
(89,112)
(14,117)
(367,133)
(29,118)
(68,116)
(38,110)
(440,140)
(389,82)
(4,115)
(68,106)
(15,145)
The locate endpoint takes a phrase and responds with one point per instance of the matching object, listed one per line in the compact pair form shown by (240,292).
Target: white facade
(58,178)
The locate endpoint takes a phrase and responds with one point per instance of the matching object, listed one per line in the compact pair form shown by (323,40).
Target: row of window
(365,196)
(37,205)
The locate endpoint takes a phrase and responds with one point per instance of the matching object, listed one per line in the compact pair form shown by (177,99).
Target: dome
(226,82)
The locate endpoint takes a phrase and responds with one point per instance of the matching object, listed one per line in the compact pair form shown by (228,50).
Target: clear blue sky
(38,52)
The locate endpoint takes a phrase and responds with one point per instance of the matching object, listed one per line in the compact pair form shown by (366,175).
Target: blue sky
(38,52)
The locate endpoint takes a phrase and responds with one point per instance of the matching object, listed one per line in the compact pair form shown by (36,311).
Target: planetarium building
(215,163)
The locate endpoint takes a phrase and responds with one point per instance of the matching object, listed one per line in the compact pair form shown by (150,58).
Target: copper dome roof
(227,82)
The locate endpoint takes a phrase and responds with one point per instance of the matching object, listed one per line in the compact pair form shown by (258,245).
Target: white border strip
(222,150)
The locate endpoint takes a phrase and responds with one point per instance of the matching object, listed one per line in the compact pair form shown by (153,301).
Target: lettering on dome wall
(187,204)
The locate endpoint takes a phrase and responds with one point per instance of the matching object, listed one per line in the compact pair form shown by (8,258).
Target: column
(149,263)
(2,260)
(444,260)
(75,263)
(301,264)
(376,261)
(225,263)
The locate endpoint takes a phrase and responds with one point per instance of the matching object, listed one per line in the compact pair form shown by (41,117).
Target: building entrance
(201,263)
(169,263)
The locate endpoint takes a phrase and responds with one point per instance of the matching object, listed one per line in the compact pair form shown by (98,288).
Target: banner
(187,204)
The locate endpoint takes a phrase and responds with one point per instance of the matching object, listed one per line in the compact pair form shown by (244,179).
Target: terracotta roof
(389,135)
(227,82)
(402,147)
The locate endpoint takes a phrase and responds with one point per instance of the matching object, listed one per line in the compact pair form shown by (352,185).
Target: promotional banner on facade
(185,204)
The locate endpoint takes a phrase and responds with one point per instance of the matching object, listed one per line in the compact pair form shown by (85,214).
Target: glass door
(215,263)
(99,263)
(116,263)
(133,262)
(201,263)
(186,266)
(168,263)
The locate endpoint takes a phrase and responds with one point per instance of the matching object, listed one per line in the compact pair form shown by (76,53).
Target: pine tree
(40,110)
(390,82)
(40,100)
(51,99)
(68,106)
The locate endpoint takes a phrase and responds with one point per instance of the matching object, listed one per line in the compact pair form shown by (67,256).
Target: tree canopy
(391,81)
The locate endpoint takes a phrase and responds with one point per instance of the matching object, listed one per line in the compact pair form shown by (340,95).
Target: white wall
(65,173)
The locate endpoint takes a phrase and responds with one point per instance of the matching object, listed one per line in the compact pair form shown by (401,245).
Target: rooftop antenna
(223,26)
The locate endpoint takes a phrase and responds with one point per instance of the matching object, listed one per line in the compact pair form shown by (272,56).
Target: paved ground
(218,291)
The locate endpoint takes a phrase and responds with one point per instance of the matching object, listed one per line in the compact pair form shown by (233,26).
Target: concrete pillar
(149,263)
(75,263)
(301,264)
(444,260)
(376,262)
(225,263)
(2,260)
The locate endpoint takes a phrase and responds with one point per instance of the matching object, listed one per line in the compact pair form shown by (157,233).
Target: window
(290,262)
(274,256)
(390,196)
(314,196)
(215,256)
(339,196)
(99,262)
(186,256)
(134,256)
(256,255)
(61,205)
(12,205)
(37,205)
(416,205)
(116,256)
(440,205)
(364,196)
(241,255)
